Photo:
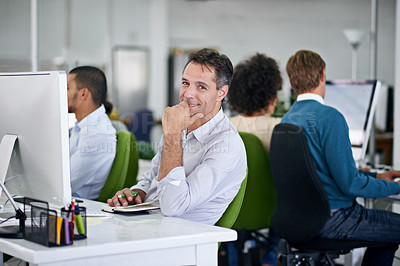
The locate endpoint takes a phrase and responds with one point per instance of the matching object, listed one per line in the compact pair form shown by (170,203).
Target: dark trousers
(360,223)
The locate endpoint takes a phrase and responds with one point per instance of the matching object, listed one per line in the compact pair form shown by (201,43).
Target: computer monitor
(356,100)
(34,107)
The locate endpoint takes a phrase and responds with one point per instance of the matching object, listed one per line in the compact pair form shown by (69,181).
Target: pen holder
(44,226)
(77,222)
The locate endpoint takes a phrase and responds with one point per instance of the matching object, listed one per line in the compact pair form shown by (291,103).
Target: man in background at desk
(327,135)
(201,161)
(92,141)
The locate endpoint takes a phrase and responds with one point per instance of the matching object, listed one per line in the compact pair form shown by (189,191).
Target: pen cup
(77,222)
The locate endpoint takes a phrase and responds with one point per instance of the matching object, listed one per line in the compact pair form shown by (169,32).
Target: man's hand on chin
(177,118)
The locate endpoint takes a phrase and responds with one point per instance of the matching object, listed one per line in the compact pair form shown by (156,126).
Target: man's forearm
(171,156)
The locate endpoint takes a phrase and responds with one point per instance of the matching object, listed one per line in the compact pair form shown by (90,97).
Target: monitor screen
(34,106)
(356,100)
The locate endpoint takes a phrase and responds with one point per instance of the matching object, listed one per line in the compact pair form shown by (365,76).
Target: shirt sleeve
(362,172)
(339,157)
(98,153)
(214,176)
(147,178)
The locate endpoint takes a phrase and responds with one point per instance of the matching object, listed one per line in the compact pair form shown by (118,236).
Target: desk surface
(149,239)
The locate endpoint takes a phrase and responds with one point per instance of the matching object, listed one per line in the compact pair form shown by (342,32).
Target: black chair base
(321,251)
(308,259)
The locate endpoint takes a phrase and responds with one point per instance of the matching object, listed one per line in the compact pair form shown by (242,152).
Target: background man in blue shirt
(327,134)
(92,141)
(201,161)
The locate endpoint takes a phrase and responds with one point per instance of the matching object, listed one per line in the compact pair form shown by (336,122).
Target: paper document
(132,208)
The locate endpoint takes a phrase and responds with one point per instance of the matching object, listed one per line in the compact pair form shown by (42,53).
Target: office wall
(14,32)
(279,28)
(77,31)
(73,32)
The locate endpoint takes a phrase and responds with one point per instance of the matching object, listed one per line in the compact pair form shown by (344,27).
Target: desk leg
(355,257)
(369,203)
(207,254)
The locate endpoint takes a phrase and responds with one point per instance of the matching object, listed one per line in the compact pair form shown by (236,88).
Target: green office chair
(259,200)
(125,167)
(229,217)
(231,213)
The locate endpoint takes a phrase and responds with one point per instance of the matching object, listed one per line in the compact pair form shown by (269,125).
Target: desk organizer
(45,227)
(78,226)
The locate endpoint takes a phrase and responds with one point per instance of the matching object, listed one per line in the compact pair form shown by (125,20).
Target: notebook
(132,208)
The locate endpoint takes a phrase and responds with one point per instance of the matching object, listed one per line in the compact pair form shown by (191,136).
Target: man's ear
(84,93)
(222,92)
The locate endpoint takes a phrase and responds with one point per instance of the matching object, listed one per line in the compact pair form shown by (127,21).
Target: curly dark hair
(254,85)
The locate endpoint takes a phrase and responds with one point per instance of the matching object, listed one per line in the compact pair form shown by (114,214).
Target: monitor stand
(14,231)
(6,149)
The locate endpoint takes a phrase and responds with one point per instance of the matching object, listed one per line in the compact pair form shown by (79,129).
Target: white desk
(149,239)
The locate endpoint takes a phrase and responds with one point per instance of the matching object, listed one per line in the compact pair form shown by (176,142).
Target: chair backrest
(260,197)
(303,207)
(231,213)
(125,167)
(142,122)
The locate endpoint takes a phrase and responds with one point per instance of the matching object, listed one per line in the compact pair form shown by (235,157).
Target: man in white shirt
(92,140)
(201,161)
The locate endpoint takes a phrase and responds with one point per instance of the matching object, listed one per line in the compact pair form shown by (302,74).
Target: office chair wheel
(297,260)
(307,259)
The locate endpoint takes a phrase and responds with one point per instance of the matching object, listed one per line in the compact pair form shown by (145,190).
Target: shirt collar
(310,96)
(203,131)
(93,116)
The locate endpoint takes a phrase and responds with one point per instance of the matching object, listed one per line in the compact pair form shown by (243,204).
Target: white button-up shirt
(214,166)
(92,147)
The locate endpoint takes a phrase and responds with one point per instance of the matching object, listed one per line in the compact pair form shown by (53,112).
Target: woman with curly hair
(253,95)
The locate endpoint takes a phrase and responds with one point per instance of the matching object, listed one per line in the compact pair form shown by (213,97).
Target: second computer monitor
(356,100)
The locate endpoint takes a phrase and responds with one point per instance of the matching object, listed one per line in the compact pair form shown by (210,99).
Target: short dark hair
(305,69)
(108,106)
(92,78)
(255,84)
(211,58)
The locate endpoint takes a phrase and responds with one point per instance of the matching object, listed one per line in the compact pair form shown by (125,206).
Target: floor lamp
(354,37)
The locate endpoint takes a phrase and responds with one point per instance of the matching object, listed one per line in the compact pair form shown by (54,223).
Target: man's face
(199,89)
(72,94)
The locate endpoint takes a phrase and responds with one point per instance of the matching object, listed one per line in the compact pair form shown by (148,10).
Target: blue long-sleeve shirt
(327,134)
